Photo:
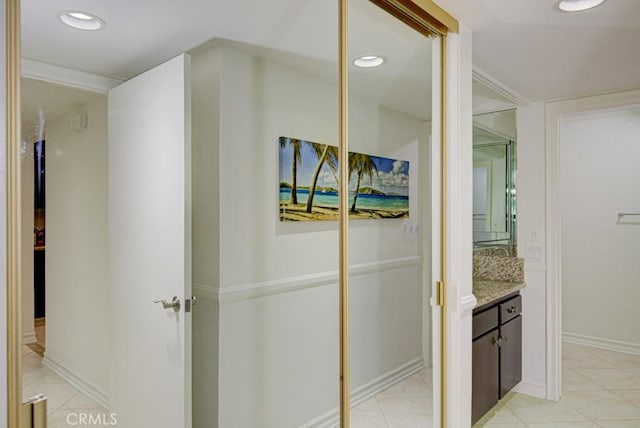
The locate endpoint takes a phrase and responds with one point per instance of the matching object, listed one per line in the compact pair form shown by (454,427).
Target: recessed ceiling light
(578,5)
(368,61)
(81,20)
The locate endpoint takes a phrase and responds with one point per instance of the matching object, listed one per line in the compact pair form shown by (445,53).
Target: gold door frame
(422,15)
(431,20)
(13,279)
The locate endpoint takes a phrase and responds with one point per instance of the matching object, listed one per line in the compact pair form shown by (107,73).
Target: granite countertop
(489,290)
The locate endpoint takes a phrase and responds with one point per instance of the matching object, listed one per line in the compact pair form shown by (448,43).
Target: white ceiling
(543,54)
(299,34)
(526,45)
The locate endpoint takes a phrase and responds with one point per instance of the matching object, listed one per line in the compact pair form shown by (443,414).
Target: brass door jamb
(14,275)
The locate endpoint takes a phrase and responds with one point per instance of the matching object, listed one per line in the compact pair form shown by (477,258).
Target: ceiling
(542,54)
(525,46)
(298,34)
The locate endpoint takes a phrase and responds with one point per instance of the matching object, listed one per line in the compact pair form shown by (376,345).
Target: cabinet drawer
(510,309)
(485,321)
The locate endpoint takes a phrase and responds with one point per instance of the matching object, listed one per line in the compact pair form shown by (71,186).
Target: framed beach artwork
(308,173)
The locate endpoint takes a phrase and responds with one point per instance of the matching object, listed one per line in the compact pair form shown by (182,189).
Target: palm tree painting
(378,186)
(295,161)
(361,165)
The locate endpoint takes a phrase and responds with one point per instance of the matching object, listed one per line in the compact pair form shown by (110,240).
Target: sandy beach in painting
(298,212)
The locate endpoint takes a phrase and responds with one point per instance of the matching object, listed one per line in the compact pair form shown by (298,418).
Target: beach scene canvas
(308,172)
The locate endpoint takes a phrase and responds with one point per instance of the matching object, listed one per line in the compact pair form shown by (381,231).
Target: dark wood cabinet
(510,355)
(497,352)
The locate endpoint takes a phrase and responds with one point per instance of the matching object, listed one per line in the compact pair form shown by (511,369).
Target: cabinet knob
(512,309)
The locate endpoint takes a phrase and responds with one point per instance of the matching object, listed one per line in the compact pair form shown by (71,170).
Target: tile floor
(63,400)
(600,389)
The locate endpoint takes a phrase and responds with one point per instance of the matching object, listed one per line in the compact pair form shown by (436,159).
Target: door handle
(173,304)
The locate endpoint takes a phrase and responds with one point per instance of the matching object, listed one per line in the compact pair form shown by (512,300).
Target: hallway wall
(76,254)
(599,175)
(277,283)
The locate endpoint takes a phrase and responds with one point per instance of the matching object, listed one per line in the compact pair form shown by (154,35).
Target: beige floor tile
(499,415)
(413,386)
(427,376)
(632,396)
(574,381)
(583,424)
(601,405)
(585,360)
(548,412)
(57,394)
(398,406)
(361,419)
(80,401)
(612,378)
(30,375)
(492,424)
(635,371)
(618,359)
(516,401)
(26,350)
(410,420)
(619,424)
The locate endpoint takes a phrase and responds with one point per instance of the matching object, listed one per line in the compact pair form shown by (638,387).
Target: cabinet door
(485,374)
(510,355)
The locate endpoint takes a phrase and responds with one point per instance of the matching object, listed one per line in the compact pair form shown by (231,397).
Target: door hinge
(439,301)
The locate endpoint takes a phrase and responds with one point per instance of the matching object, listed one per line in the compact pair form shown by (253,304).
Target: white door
(150,248)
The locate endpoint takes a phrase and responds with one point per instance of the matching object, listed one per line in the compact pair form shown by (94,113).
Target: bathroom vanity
(497,352)
(497,330)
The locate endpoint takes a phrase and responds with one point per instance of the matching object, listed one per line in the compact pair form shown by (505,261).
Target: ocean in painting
(365,201)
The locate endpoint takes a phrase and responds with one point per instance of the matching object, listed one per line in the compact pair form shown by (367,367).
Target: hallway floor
(600,389)
(64,402)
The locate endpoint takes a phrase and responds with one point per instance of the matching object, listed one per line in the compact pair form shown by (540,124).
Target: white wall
(76,254)
(27,195)
(531,196)
(3,221)
(205,225)
(278,311)
(599,177)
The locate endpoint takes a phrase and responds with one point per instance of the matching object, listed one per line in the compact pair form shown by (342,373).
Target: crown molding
(38,70)
(491,83)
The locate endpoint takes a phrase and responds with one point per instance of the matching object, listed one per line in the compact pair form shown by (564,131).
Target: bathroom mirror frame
(423,15)
(494,242)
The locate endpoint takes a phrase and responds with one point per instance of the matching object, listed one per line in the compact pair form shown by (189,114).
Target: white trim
(38,70)
(503,90)
(601,343)
(277,286)
(368,390)
(467,303)
(86,386)
(553,114)
(533,389)
(29,338)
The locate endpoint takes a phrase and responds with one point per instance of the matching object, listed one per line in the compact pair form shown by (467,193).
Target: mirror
(494,182)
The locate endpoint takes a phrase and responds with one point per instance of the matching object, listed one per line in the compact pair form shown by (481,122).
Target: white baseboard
(86,386)
(601,343)
(533,389)
(28,338)
(366,391)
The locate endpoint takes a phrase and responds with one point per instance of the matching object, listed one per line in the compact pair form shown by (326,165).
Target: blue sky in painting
(392,177)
